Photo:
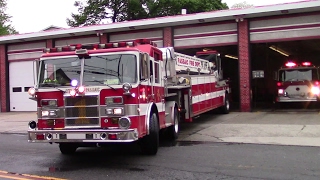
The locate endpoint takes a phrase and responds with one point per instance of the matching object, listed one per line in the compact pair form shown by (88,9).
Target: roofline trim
(163,21)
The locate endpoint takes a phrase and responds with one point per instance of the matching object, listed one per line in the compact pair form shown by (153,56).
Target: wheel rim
(227,104)
(176,125)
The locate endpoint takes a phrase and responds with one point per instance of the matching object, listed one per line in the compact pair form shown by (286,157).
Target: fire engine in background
(119,93)
(297,83)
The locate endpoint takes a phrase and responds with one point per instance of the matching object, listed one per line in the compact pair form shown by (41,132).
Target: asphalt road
(185,160)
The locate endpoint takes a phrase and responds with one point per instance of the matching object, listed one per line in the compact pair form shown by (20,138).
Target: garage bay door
(21,79)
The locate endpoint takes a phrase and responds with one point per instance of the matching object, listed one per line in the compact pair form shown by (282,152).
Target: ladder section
(192,64)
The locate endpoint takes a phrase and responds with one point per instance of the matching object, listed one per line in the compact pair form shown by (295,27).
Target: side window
(156,67)
(151,68)
(143,66)
(156,72)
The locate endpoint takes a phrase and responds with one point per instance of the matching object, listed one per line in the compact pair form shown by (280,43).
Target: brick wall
(103,38)
(244,66)
(49,43)
(4,80)
(167,37)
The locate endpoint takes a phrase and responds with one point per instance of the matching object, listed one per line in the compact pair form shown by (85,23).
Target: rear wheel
(150,143)
(174,129)
(226,107)
(68,148)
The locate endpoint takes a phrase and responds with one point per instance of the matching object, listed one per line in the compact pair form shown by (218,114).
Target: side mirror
(35,71)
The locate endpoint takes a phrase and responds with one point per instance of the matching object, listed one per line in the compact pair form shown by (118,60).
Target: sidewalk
(280,128)
(16,122)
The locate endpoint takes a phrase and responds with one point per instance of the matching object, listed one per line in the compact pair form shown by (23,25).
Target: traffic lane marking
(16,176)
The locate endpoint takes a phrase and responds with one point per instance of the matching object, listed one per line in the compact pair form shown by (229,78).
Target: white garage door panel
(284,34)
(137,35)
(20,78)
(209,40)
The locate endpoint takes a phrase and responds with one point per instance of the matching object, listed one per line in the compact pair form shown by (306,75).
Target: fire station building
(252,40)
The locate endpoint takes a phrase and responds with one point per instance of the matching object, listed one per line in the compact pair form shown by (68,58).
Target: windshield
(298,75)
(98,70)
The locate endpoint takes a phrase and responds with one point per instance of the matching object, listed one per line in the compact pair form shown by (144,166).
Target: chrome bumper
(288,99)
(82,136)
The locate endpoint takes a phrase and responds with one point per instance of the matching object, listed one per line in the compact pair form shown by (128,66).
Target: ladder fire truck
(120,93)
(297,83)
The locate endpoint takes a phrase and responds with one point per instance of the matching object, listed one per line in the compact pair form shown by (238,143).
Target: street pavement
(279,128)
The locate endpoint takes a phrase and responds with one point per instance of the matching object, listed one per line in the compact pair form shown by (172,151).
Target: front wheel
(226,107)
(150,143)
(67,148)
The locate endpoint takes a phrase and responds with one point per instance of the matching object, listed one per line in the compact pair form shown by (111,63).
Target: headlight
(280,91)
(109,111)
(117,111)
(114,111)
(124,123)
(315,90)
(49,113)
(45,113)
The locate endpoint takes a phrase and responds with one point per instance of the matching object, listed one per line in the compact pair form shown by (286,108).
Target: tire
(150,143)
(225,109)
(67,148)
(173,130)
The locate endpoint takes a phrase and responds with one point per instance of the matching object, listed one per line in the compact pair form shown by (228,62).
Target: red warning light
(290,64)
(279,83)
(306,63)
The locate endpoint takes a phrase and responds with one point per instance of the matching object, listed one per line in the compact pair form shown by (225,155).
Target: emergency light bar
(74,47)
(306,63)
(290,64)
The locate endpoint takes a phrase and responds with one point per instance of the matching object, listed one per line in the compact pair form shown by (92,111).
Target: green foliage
(95,11)
(241,5)
(5,26)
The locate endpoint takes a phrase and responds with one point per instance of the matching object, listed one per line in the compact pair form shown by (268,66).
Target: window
(97,70)
(298,75)
(16,89)
(26,89)
(156,72)
(143,66)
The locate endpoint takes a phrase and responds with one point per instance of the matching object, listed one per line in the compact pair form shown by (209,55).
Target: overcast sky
(35,15)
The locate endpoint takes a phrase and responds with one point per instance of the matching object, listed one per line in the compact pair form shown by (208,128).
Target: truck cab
(297,83)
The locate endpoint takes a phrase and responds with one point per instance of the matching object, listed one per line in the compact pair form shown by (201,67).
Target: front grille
(82,111)
(81,100)
(82,122)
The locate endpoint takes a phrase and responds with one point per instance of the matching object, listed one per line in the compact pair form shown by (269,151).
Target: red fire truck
(297,83)
(120,93)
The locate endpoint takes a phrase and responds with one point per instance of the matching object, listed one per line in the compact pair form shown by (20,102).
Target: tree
(241,5)
(5,26)
(95,11)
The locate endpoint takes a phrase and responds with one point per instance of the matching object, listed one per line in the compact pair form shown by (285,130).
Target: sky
(36,15)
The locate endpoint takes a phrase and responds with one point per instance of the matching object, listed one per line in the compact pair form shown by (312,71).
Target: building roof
(212,16)
(52,27)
